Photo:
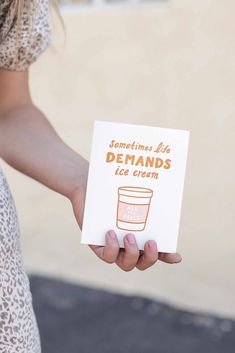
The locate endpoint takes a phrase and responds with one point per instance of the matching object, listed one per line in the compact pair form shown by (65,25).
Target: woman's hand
(126,258)
(40,153)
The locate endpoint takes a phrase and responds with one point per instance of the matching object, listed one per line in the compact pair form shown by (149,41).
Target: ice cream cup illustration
(133,207)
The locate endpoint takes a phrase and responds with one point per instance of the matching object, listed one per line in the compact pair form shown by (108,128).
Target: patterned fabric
(18,49)
(22,43)
(18,326)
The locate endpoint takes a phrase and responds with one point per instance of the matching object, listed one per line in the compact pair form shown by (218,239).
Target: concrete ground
(74,319)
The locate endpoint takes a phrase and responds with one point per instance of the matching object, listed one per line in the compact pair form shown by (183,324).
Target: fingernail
(178,258)
(152,245)
(112,234)
(131,238)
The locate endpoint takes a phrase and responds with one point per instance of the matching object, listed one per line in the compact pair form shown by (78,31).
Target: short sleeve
(22,42)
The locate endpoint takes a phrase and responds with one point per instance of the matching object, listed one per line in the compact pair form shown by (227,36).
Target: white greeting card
(135,184)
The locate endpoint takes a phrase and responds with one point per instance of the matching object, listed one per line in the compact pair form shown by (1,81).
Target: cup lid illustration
(134,191)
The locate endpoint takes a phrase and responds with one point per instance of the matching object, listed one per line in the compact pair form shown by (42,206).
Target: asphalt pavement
(78,319)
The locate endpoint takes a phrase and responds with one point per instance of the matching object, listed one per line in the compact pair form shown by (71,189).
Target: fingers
(149,256)
(111,249)
(172,258)
(109,252)
(131,257)
(128,258)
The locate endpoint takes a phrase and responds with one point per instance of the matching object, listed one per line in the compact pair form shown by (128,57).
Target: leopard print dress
(18,326)
(21,43)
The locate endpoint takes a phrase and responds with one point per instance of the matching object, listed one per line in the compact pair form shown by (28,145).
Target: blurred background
(167,63)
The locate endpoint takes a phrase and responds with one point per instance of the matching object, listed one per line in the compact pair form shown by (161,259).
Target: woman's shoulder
(25,32)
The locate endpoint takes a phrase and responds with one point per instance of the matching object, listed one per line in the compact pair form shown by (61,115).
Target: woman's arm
(29,143)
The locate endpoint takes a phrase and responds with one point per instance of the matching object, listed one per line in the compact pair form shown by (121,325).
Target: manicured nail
(112,234)
(131,238)
(152,245)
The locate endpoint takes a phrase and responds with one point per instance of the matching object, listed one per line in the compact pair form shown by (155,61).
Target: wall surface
(171,65)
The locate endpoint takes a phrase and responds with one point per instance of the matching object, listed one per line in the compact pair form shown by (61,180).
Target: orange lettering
(110,157)
(167,164)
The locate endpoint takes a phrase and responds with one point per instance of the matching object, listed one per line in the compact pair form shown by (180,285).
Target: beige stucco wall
(169,65)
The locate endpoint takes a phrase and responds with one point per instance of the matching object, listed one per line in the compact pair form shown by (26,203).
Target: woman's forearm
(29,143)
